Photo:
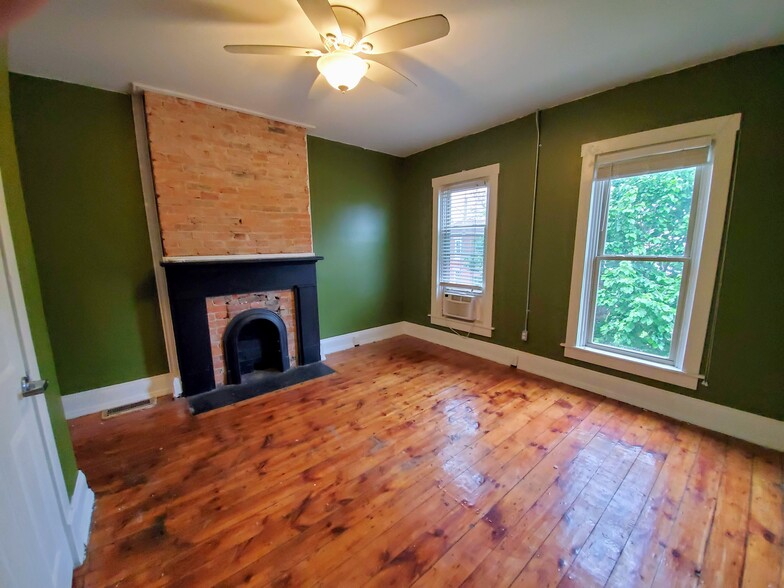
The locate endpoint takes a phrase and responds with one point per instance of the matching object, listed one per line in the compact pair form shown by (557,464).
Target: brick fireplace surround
(221,309)
(230,184)
(192,284)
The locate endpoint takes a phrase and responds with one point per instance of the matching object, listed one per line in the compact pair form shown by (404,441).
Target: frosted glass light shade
(343,70)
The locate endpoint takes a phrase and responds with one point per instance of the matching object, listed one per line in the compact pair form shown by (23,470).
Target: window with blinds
(462,236)
(463,249)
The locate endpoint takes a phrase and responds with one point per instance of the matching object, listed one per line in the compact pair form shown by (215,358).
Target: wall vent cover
(126,408)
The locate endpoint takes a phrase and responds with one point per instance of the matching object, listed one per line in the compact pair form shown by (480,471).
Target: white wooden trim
(725,130)
(80,514)
(137,88)
(242,257)
(660,372)
(92,401)
(58,479)
(466,175)
(729,421)
(484,326)
(154,234)
(689,130)
(99,399)
(349,340)
(706,242)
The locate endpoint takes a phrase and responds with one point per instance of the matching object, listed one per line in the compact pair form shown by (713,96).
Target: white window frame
(483,326)
(707,227)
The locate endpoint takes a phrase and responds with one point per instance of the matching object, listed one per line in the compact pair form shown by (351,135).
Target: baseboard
(349,340)
(736,423)
(91,401)
(80,518)
(177,386)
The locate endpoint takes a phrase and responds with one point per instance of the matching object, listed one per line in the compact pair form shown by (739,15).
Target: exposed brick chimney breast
(227,183)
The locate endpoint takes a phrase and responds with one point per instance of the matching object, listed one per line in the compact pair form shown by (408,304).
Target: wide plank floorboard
(418,465)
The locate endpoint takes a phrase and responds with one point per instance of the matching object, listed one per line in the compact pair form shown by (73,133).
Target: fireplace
(238,319)
(233,210)
(255,344)
(223,310)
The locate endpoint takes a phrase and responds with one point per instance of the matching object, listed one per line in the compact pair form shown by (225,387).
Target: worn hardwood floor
(418,465)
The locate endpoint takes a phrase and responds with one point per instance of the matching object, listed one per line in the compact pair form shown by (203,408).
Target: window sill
(637,367)
(457,325)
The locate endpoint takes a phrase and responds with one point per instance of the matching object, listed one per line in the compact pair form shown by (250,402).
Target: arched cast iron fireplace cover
(255,341)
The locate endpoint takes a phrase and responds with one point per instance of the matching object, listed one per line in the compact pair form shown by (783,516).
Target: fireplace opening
(255,344)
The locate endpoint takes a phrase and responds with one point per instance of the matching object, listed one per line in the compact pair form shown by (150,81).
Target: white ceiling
(502,59)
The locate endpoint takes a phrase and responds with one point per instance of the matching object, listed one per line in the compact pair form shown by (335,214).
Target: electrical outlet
(524,336)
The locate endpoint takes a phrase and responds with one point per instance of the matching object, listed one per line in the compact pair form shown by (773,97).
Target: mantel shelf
(256,258)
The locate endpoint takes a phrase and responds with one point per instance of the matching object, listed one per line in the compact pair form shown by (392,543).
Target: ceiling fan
(348,52)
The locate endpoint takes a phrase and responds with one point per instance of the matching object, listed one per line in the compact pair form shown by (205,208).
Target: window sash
(596,244)
(709,233)
(477,196)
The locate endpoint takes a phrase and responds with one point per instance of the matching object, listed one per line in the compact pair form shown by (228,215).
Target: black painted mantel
(191,282)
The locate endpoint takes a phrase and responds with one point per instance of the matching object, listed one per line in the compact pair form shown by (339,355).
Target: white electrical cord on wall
(468,333)
(533,219)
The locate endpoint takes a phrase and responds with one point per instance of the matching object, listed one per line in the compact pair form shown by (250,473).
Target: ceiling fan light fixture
(342,69)
(344,36)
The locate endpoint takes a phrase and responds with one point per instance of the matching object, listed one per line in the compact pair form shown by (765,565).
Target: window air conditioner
(460,306)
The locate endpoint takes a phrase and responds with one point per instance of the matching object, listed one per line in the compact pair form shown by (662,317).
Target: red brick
(214,167)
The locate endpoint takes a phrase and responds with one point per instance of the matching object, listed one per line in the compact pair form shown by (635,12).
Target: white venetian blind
(462,227)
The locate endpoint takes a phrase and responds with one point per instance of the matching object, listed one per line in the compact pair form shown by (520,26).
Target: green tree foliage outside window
(637,301)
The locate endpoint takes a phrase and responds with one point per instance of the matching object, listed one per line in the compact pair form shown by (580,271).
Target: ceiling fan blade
(273,50)
(320,13)
(408,34)
(388,77)
(320,88)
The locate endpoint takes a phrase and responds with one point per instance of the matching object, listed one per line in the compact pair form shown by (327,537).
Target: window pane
(463,226)
(649,214)
(467,207)
(636,304)
(463,256)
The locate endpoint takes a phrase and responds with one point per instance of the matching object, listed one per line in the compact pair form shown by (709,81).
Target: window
(463,249)
(650,221)
(463,236)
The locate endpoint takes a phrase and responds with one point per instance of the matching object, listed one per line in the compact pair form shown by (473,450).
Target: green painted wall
(29,276)
(747,370)
(354,204)
(77,143)
(80,173)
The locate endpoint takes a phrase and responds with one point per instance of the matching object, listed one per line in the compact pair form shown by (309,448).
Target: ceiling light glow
(342,69)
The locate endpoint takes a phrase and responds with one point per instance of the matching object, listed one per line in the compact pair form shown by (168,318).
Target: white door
(34,548)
